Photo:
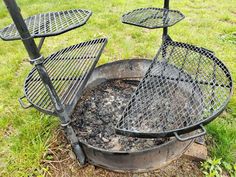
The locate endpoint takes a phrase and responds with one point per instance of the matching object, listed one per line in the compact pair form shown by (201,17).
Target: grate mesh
(152,17)
(69,70)
(49,24)
(184,87)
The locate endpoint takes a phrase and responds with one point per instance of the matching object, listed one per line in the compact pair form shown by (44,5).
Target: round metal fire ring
(130,161)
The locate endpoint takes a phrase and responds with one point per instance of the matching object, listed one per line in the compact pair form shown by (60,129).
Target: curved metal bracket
(22,103)
(37,61)
(191,137)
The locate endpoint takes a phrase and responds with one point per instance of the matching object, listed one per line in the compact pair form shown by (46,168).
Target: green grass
(24,134)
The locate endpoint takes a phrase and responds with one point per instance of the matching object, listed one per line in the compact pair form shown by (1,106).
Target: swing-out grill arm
(33,53)
(37,59)
(185,87)
(165,29)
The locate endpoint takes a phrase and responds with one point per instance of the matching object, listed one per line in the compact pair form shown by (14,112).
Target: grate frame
(49,24)
(165,53)
(69,70)
(161,17)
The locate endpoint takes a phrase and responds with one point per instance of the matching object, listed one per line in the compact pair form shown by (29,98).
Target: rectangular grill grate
(184,87)
(152,17)
(49,24)
(69,71)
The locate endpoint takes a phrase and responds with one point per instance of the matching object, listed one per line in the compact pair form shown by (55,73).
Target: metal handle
(191,137)
(22,103)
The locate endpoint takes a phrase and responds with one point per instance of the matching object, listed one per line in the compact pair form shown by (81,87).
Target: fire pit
(130,115)
(101,105)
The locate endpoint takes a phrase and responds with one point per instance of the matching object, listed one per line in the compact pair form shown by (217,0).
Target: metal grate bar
(49,24)
(34,75)
(184,87)
(192,81)
(61,68)
(152,17)
(58,84)
(83,68)
(69,70)
(79,80)
(182,66)
(213,86)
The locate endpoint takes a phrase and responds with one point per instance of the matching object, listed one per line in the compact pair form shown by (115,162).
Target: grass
(24,134)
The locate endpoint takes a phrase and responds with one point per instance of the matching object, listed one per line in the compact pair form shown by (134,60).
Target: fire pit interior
(98,111)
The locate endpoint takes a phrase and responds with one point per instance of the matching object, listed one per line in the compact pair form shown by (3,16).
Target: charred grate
(184,87)
(152,17)
(69,70)
(49,24)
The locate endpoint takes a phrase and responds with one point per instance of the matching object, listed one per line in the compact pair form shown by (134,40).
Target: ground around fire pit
(60,161)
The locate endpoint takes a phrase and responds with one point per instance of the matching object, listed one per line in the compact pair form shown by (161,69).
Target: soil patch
(59,161)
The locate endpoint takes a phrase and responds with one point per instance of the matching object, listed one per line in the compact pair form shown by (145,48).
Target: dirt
(97,113)
(59,161)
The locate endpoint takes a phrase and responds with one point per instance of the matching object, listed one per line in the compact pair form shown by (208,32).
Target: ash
(98,111)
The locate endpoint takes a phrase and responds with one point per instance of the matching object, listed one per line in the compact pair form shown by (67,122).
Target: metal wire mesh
(184,87)
(49,24)
(152,17)
(69,70)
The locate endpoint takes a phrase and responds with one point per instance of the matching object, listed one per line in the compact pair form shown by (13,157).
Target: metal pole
(165,30)
(37,59)
(41,43)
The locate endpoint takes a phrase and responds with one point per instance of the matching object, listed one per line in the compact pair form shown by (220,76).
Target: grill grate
(49,24)
(69,70)
(185,87)
(152,17)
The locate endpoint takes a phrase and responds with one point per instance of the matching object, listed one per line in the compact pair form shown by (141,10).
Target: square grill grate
(69,71)
(49,24)
(184,87)
(152,17)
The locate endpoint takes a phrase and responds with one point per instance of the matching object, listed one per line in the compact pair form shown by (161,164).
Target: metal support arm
(33,52)
(41,43)
(165,29)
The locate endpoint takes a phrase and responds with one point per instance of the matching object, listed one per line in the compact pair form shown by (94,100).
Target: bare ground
(60,161)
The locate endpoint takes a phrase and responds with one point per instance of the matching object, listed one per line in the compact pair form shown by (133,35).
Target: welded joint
(37,61)
(166,37)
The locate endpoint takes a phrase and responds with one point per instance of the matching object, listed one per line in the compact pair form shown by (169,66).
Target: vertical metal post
(37,59)
(165,33)
(41,43)
(165,30)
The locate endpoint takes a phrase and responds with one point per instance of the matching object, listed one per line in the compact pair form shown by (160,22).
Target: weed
(215,167)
